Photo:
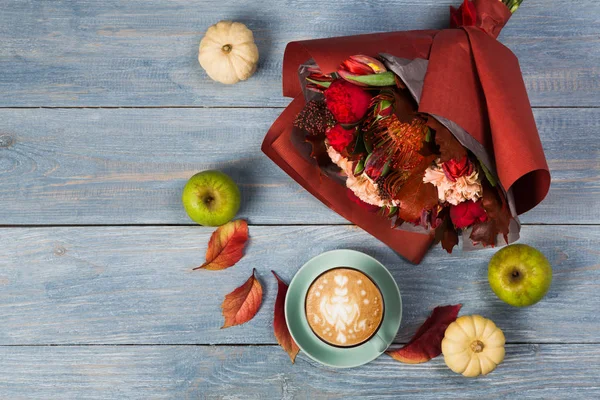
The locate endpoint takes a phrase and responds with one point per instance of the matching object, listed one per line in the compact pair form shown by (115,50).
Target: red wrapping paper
(472,80)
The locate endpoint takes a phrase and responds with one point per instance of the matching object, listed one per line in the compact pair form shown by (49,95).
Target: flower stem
(512,5)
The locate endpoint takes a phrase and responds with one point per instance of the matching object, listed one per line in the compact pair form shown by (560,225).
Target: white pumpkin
(473,346)
(228,53)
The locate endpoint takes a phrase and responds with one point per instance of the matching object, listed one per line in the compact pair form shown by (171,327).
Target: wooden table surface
(105,113)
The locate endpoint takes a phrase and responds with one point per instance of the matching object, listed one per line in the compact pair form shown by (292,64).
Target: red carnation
(347,102)
(465,15)
(339,138)
(467,213)
(455,169)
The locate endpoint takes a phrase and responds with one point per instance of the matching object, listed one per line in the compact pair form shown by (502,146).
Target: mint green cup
(311,344)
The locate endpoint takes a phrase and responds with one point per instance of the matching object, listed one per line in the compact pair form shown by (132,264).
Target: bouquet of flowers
(418,137)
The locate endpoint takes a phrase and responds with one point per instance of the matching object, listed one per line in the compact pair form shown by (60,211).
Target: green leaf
(393,210)
(383,79)
(359,168)
(359,145)
(367,143)
(429,135)
(488,174)
(386,168)
(319,83)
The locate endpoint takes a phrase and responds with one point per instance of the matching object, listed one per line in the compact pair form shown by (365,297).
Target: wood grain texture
(144,53)
(190,372)
(129,166)
(135,285)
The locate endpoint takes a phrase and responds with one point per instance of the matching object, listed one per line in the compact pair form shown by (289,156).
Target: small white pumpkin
(473,346)
(228,53)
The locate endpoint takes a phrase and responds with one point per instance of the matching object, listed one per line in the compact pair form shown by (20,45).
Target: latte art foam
(344,307)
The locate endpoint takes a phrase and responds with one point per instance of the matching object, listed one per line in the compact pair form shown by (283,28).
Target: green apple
(520,275)
(211,198)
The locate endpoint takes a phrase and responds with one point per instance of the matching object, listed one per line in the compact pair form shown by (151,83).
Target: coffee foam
(344,307)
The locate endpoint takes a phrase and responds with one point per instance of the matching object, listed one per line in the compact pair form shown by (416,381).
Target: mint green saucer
(317,349)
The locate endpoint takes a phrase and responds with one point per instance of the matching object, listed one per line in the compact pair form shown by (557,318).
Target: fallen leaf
(427,342)
(241,305)
(226,245)
(280,328)
(450,148)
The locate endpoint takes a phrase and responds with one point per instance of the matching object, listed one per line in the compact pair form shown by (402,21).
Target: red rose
(465,15)
(339,138)
(467,213)
(455,169)
(347,102)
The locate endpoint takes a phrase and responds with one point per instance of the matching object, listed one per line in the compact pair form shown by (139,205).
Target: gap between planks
(393,345)
(215,107)
(250,224)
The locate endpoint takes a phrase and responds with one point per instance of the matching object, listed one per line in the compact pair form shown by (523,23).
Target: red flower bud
(339,138)
(384,108)
(347,102)
(377,164)
(467,213)
(455,169)
(318,81)
(465,15)
(360,65)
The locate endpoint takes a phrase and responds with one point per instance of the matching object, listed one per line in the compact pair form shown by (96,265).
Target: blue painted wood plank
(189,372)
(128,166)
(135,285)
(144,53)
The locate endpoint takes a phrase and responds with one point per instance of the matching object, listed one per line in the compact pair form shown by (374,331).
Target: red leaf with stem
(280,328)
(427,342)
(241,305)
(226,245)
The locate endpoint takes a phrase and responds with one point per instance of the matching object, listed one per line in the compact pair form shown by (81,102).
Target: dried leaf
(318,150)
(226,245)
(405,106)
(415,195)
(446,234)
(449,239)
(241,305)
(280,328)
(427,342)
(450,148)
(499,217)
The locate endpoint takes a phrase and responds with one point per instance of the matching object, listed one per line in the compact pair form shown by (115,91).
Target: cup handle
(380,344)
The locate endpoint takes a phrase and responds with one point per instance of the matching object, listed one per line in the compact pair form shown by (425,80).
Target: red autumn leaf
(226,245)
(445,232)
(280,328)
(449,239)
(241,305)
(450,148)
(427,342)
(415,195)
(318,149)
(405,106)
(499,217)
(447,235)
